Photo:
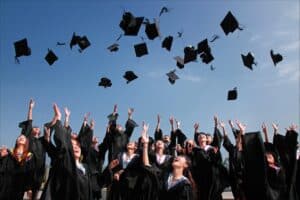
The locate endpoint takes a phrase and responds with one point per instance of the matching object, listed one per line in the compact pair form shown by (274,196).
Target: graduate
(69,177)
(16,166)
(177,183)
(37,148)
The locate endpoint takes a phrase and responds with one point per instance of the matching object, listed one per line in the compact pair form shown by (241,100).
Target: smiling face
(159,145)
(21,140)
(76,149)
(202,139)
(180,162)
(190,144)
(270,158)
(208,139)
(131,146)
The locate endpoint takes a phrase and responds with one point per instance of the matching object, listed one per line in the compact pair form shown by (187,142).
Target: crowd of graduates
(165,166)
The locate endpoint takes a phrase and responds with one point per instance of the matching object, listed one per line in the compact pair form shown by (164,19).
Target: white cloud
(293,46)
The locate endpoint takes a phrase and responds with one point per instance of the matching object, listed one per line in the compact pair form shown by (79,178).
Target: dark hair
(26,152)
(187,172)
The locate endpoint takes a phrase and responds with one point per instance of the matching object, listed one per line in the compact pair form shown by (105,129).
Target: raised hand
(92,124)
(292,127)
(57,113)
(264,128)
(196,126)
(31,104)
(177,124)
(216,120)
(67,112)
(241,126)
(145,136)
(222,124)
(275,128)
(171,120)
(86,116)
(231,123)
(158,119)
(130,111)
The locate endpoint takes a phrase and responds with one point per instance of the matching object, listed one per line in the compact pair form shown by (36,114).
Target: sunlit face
(131,146)
(35,131)
(270,158)
(179,162)
(21,140)
(76,149)
(202,139)
(208,139)
(159,144)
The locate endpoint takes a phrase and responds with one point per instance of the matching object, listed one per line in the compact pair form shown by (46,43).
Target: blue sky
(266,94)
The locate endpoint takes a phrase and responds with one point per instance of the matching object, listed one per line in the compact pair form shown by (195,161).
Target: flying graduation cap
(167,43)
(232,94)
(179,62)
(130,24)
(105,82)
(172,76)
(229,24)
(152,30)
(248,60)
(190,54)
(51,57)
(130,76)
(82,42)
(276,57)
(21,49)
(141,49)
(114,47)
(205,51)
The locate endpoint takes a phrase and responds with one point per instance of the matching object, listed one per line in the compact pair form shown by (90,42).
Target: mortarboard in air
(248,60)
(232,94)
(105,82)
(229,24)
(74,40)
(203,46)
(51,57)
(206,57)
(130,24)
(114,47)
(152,30)
(179,62)
(21,49)
(276,57)
(190,54)
(172,76)
(141,49)
(83,43)
(130,76)
(167,43)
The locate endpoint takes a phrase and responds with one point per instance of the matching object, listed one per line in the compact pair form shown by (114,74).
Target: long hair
(25,155)
(187,172)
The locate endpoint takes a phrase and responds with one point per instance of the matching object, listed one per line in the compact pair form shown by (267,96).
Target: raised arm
(31,106)
(226,143)
(196,133)
(265,131)
(172,123)
(217,139)
(67,117)
(242,128)
(158,135)
(145,141)
(275,128)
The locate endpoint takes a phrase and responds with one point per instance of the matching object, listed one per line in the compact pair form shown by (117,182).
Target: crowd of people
(165,166)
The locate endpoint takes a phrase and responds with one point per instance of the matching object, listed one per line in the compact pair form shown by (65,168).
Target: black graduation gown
(236,168)
(37,148)
(65,180)
(116,141)
(14,176)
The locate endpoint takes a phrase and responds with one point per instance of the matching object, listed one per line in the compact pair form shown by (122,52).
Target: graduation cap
(248,60)
(190,54)
(229,24)
(74,40)
(232,94)
(114,47)
(141,49)
(130,24)
(82,42)
(105,82)
(152,30)
(130,76)
(207,57)
(179,62)
(21,49)
(276,57)
(172,76)
(51,57)
(203,46)
(167,43)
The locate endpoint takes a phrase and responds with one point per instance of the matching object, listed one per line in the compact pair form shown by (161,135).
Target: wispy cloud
(192,78)
(290,47)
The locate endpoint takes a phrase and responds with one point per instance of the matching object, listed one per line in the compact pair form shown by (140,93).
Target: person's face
(159,144)
(202,139)
(21,140)
(270,158)
(189,146)
(166,139)
(35,131)
(119,127)
(76,149)
(208,139)
(131,146)
(179,162)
